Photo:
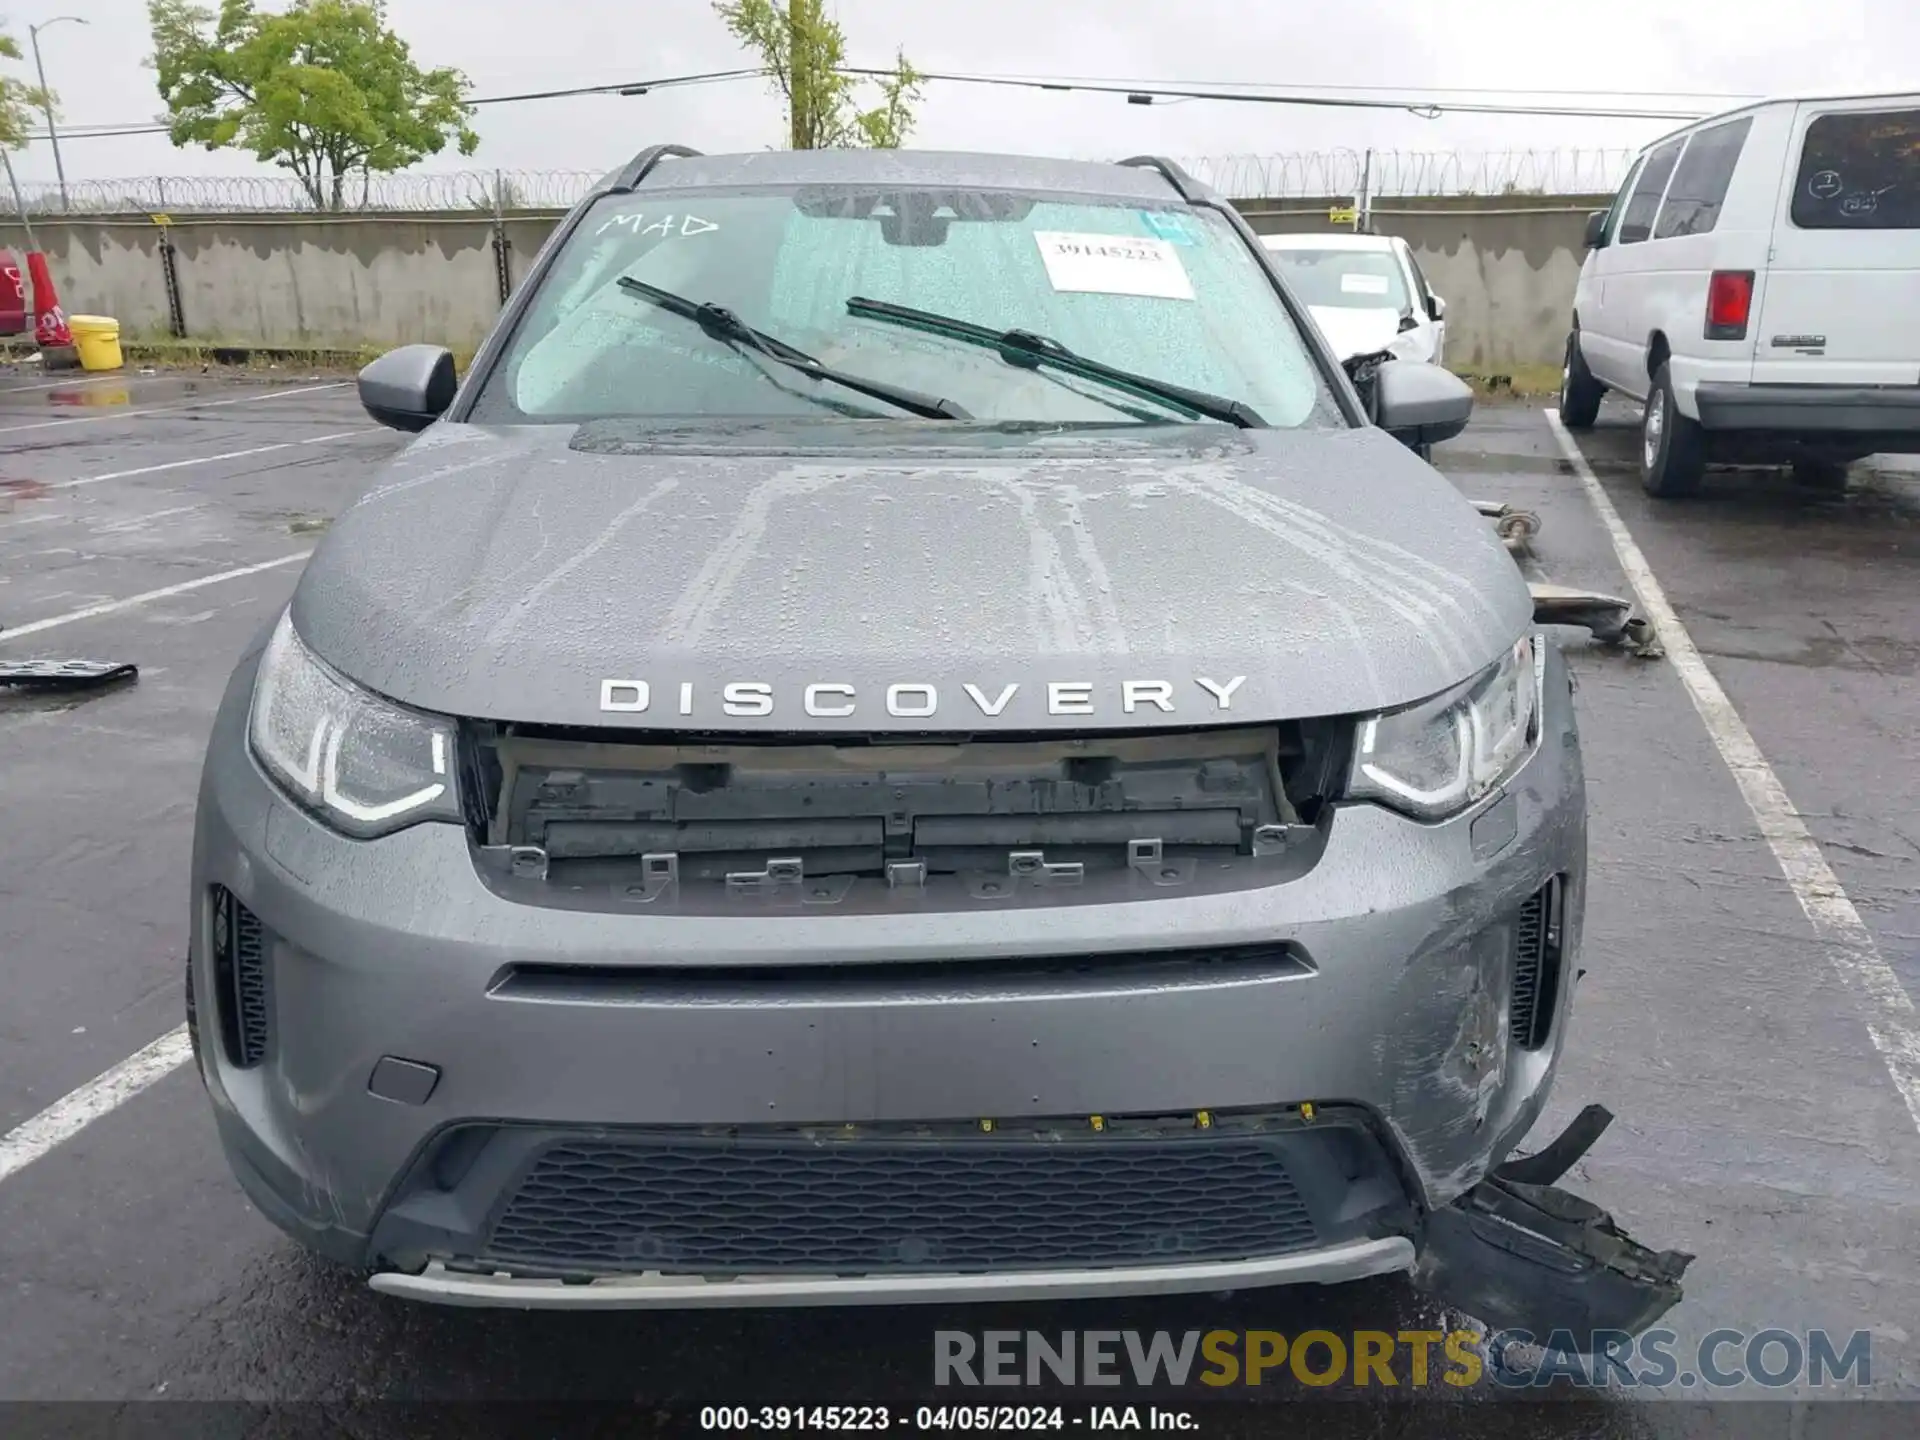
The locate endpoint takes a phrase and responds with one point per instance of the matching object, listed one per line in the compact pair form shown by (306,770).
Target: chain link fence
(1297,174)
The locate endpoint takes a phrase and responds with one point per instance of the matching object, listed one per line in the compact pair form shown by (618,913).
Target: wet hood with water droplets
(928,580)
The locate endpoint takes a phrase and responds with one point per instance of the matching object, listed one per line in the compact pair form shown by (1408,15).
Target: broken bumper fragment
(1521,1255)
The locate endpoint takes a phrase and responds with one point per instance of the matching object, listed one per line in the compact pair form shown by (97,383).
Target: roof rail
(636,169)
(1188,188)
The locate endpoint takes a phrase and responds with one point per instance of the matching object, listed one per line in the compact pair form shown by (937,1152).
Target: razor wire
(1306,173)
(457,190)
(1349,172)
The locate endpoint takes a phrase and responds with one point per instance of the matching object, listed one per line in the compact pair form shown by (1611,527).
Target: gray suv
(901,735)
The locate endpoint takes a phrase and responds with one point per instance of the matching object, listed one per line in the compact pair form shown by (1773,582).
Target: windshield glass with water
(1174,293)
(1346,279)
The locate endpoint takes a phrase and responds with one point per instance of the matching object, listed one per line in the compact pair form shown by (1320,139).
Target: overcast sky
(1719,47)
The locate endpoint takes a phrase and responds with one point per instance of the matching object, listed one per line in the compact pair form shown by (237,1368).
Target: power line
(1147,94)
(1136,82)
(111,130)
(1360,97)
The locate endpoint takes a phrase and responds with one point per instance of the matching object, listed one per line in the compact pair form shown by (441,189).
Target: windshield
(1172,293)
(1346,279)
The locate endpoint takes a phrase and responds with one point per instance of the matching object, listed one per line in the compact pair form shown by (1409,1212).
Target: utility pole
(797,78)
(18,203)
(53,133)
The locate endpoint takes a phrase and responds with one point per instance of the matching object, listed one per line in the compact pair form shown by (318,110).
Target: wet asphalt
(1757,1126)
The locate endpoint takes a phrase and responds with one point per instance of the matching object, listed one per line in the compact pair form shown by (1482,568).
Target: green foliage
(323,89)
(20,103)
(804,51)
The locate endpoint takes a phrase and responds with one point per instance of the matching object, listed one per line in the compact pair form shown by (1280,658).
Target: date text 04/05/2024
(943,1417)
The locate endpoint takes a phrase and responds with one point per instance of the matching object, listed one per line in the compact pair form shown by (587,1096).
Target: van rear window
(1859,170)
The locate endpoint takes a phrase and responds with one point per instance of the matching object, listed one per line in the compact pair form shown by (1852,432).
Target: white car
(1366,293)
(1756,284)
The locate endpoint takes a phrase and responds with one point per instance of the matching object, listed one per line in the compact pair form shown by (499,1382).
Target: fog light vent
(240,967)
(1536,967)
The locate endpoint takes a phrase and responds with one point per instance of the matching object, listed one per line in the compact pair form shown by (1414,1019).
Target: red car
(16,317)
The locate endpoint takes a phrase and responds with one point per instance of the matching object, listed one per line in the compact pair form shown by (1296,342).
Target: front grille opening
(743,1204)
(693,983)
(240,975)
(1536,966)
(593,804)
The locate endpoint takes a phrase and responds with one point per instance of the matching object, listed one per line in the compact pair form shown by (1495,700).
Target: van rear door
(1838,301)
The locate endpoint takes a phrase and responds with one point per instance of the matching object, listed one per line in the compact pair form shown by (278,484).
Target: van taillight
(1729,298)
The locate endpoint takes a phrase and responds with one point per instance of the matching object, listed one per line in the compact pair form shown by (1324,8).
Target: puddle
(1883,655)
(1482,462)
(18,699)
(103,396)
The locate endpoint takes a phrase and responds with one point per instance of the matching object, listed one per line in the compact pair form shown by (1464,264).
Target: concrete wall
(349,280)
(1506,266)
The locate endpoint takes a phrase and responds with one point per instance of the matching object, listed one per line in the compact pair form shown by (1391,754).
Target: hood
(1354,332)
(809,580)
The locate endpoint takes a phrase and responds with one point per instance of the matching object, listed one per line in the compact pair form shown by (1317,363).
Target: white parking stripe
(207,459)
(109,607)
(108,414)
(1882,1000)
(68,1116)
(60,384)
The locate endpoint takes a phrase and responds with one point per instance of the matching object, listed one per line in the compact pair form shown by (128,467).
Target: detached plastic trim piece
(64,674)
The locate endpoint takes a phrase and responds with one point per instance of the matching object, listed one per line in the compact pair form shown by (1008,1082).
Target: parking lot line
(173,409)
(1883,1001)
(106,1092)
(109,607)
(209,459)
(59,384)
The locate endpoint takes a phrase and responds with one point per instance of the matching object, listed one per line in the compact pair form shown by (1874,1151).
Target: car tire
(1673,449)
(1579,392)
(1827,475)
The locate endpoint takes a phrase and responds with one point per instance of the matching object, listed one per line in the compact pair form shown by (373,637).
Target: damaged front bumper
(1515,1252)
(422,1018)
(1521,1255)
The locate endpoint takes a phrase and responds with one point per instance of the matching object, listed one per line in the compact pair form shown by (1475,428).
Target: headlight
(1408,345)
(1436,758)
(362,763)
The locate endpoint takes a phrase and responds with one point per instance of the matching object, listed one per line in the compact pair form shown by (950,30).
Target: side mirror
(1597,229)
(1420,404)
(409,388)
(1436,308)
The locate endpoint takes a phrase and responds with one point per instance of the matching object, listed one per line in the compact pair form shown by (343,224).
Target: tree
(322,88)
(20,104)
(804,51)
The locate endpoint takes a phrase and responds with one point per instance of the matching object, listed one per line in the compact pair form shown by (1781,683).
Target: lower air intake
(758,1205)
(240,965)
(1536,967)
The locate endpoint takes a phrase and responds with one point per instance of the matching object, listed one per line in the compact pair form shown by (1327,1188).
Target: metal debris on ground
(1611,619)
(1516,528)
(43,675)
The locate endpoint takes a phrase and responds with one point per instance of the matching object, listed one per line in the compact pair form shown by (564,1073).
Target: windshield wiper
(1028,350)
(723,324)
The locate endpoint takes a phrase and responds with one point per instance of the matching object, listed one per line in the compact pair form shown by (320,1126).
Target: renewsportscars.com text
(1413,1359)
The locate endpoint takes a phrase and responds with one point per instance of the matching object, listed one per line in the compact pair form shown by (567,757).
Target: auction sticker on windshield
(1113,265)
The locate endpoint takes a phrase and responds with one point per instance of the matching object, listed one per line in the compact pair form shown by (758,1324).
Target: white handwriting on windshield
(666,225)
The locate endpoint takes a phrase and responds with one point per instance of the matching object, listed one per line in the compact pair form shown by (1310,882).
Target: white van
(1756,283)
